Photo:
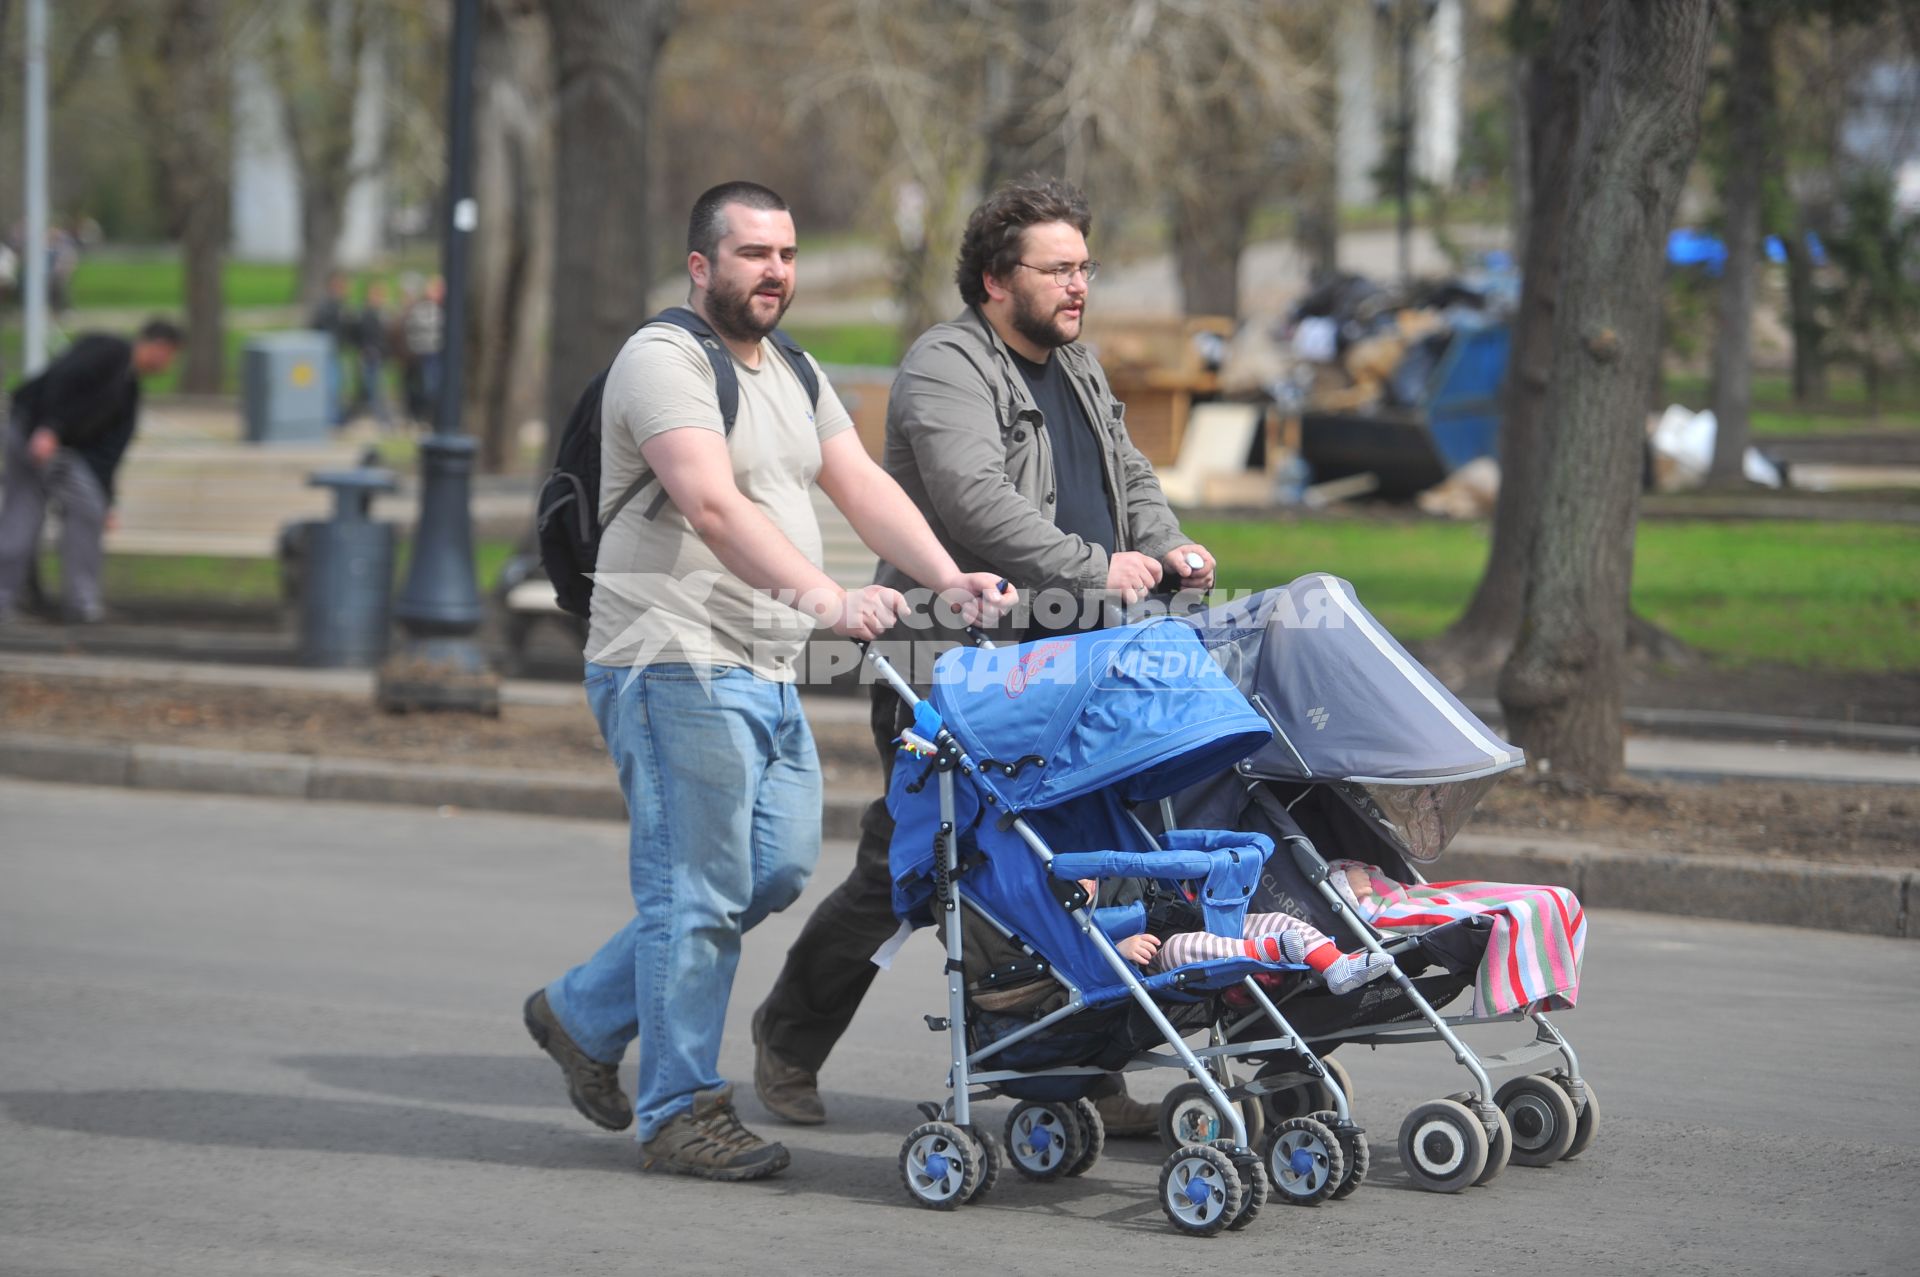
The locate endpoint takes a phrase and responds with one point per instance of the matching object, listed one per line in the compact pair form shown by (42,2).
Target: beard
(1040,322)
(731,311)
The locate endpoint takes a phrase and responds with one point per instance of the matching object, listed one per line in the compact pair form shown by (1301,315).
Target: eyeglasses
(1063,275)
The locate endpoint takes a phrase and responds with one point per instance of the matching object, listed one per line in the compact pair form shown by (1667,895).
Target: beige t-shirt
(659,594)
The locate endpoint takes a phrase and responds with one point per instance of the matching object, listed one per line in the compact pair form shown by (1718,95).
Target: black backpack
(568,522)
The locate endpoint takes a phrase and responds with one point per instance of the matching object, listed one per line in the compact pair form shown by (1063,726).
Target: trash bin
(283,387)
(347,573)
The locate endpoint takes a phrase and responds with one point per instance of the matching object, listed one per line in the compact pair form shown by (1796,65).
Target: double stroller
(1372,758)
(1017,782)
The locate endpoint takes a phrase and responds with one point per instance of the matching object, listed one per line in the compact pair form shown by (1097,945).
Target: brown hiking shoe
(592,1085)
(1127,1118)
(707,1140)
(790,1092)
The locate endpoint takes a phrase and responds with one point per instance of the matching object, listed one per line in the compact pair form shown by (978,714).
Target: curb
(1860,899)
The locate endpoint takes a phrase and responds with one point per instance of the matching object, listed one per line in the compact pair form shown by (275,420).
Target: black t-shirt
(1081,503)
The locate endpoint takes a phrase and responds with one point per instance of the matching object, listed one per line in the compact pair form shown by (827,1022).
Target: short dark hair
(163,330)
(991,243)
(709,220)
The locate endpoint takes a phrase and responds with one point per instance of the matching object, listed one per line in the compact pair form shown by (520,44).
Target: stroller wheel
(1187,1116)
(1254,1189)
(1542,1117)
(990,1159)
(1093,1135)
(1589,1120)
(1305,1161)
(1443,1146)
(1200,1190)
(1044,1140)
(940,1165)
(1499,1150)
(1353,1147)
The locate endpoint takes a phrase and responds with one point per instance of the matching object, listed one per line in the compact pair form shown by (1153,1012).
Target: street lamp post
(440,665)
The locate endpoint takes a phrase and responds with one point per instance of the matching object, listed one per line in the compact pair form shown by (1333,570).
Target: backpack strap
(726,384)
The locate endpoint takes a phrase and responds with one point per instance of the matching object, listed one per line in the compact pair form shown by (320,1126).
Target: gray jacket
(967,443)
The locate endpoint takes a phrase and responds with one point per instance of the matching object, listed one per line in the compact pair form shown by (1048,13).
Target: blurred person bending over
(1003,431)
(67,430)
(691,675)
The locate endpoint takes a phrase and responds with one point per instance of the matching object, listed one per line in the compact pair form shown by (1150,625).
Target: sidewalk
(1841,897)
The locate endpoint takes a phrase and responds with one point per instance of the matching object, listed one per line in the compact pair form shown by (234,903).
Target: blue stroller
(1371,756)
(1012,787)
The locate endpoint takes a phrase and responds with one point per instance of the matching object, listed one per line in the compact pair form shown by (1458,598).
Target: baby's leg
(1285,938)
(1198,946)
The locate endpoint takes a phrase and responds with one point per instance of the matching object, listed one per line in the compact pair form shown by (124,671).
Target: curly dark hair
(991,244)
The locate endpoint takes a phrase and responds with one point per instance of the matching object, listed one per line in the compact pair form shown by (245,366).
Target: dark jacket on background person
(90,398)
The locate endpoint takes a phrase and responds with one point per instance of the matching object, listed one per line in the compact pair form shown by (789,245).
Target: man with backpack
(1003,430)
(707,581)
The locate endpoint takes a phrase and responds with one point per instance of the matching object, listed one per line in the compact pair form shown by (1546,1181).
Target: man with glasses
(1003,431)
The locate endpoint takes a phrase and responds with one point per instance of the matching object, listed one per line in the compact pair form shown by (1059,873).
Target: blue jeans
(723,787)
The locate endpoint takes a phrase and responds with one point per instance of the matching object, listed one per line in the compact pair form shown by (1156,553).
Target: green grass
(1833,596)
(214,579)
(1827,596)
(875,345)
(157,282)
(155,279)
(1775,413)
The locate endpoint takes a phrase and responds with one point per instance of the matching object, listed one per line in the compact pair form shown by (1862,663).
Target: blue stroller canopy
(1142,708)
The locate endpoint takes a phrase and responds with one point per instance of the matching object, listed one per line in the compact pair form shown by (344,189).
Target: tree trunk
(316,53)
(606,55)
(1561,689)
(1553,78)
(203,241)
(1209,228)
(1803,319)
(1028,129)
(195,156)
(1750,128)
(512,278)
(321,217)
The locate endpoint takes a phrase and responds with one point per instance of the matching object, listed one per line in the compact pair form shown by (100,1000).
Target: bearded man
(692,678)
(1002,430)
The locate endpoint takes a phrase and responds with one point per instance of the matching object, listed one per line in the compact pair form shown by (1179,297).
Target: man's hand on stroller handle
(979,598)
(867,613)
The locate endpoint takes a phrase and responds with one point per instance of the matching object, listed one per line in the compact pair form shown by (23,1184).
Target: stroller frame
(1483,1099)
(965,1067)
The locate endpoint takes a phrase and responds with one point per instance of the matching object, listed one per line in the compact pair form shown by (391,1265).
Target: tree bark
(1750,128)
(1561,689)
(1554,79)
(606,56)
(1209,229)
(185,103)
(512,280)
(318,53)
(1028,129)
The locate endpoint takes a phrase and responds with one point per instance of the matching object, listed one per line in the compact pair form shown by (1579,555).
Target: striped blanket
(1533,955)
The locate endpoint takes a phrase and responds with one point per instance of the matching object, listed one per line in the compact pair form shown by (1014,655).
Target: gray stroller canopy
(1352,709)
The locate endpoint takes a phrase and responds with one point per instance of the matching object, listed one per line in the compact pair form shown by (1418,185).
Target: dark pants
(829,968)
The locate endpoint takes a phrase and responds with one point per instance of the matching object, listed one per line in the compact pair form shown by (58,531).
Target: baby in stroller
(1176,941)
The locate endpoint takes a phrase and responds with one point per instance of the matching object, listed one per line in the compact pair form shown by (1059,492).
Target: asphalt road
(246,1036)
